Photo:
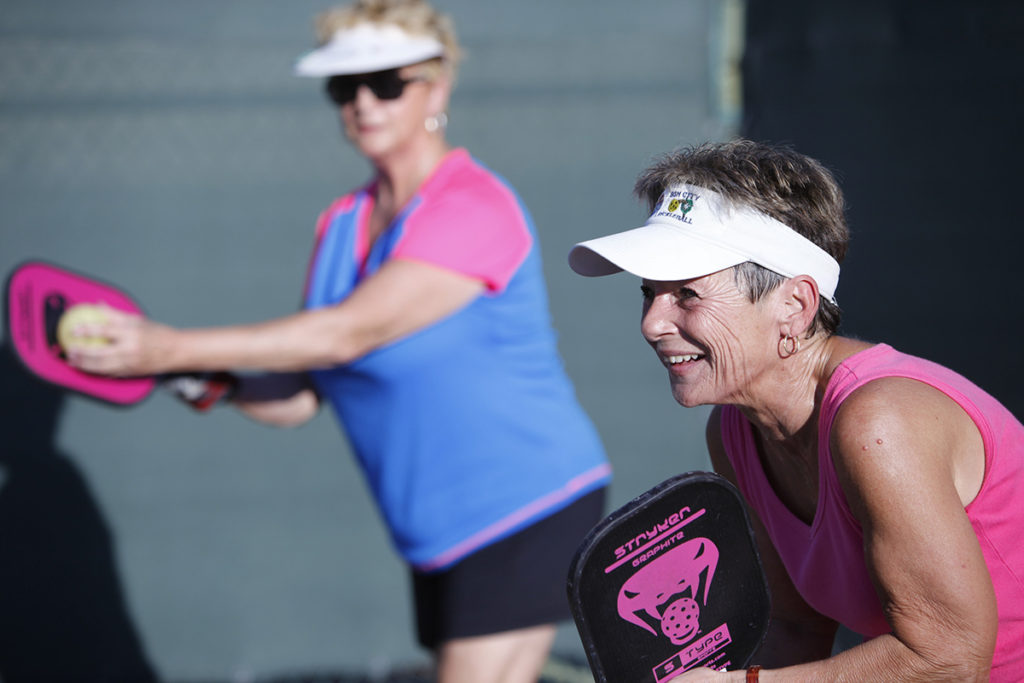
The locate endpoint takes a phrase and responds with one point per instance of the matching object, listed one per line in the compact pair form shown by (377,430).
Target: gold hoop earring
(789,346)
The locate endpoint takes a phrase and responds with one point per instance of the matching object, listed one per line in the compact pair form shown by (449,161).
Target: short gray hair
(788,186)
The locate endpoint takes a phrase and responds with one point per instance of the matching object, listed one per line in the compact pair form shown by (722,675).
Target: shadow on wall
(62,611)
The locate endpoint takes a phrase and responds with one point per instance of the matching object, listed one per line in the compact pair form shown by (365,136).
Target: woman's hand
(132,345)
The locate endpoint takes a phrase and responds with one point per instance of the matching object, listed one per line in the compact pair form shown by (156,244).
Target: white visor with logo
(695,232)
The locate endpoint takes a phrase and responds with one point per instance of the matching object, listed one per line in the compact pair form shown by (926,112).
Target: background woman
(426,327)
(884,487)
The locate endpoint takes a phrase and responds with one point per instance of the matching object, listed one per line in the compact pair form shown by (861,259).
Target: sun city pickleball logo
(676,204)
(683,206)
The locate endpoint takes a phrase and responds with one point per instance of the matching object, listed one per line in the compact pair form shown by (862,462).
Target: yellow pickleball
(77,315)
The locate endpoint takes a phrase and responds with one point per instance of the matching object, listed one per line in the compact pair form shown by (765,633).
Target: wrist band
(752,673)
(202,390)
(229,382)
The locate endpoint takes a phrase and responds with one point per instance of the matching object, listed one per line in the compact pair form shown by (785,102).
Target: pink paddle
(36,296)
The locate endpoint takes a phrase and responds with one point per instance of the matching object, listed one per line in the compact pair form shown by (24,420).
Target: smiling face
(380,128)
(716,344)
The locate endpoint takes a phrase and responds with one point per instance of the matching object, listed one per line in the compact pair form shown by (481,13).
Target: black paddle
(669,582)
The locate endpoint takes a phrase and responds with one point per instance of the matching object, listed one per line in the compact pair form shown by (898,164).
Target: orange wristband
(752,673)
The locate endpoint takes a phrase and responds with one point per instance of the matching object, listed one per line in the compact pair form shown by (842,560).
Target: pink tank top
(826,559)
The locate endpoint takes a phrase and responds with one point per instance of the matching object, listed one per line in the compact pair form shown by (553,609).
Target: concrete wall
(167,148)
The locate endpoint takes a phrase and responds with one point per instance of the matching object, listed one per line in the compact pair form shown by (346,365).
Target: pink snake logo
(670,590)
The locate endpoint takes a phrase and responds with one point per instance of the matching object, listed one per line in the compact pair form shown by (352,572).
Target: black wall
(917,107)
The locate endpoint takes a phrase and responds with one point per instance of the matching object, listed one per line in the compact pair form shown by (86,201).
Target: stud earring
(435,123)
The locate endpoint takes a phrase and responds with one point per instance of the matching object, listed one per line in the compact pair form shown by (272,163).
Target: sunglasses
(385,85)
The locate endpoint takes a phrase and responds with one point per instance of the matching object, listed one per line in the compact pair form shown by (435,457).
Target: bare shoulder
(898,407)
(896,431)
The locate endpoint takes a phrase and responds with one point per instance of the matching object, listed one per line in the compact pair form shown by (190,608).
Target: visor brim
(653,252)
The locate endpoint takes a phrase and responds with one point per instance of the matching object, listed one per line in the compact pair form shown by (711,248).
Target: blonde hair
(416,17)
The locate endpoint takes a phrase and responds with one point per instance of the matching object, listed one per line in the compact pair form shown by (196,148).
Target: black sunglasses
(385,85)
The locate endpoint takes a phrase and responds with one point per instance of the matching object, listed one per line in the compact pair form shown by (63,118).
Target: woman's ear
(440,93)
(800,300)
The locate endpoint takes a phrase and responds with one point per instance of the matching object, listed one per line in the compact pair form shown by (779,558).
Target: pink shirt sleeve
(478,230)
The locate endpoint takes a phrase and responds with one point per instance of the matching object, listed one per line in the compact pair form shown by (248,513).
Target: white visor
(365,48)
(695,232)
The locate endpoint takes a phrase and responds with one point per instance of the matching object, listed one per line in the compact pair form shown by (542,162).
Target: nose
(364,96)
(655,322)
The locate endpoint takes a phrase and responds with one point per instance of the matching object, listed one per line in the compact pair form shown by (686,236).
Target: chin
(688,399)
(371,143)
(370,150)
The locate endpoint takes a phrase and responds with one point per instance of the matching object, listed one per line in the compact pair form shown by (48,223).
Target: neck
(400,174)
(787,412)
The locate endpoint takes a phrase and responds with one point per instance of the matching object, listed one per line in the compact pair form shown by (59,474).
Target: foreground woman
(885,488)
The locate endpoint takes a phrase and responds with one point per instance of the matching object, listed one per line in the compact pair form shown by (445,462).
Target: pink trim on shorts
(501,528)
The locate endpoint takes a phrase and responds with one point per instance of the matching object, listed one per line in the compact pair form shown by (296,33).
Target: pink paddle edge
(27,291)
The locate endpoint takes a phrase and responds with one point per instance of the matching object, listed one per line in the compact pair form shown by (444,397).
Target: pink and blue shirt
(826,559)
(469,429)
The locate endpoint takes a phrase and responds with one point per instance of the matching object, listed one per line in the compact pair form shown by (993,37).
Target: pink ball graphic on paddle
(665,593)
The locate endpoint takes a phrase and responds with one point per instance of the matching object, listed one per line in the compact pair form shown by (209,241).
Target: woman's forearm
(303,341)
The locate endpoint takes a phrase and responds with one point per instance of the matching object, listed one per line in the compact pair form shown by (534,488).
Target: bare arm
(401,298)
(907,474)
(903,473)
